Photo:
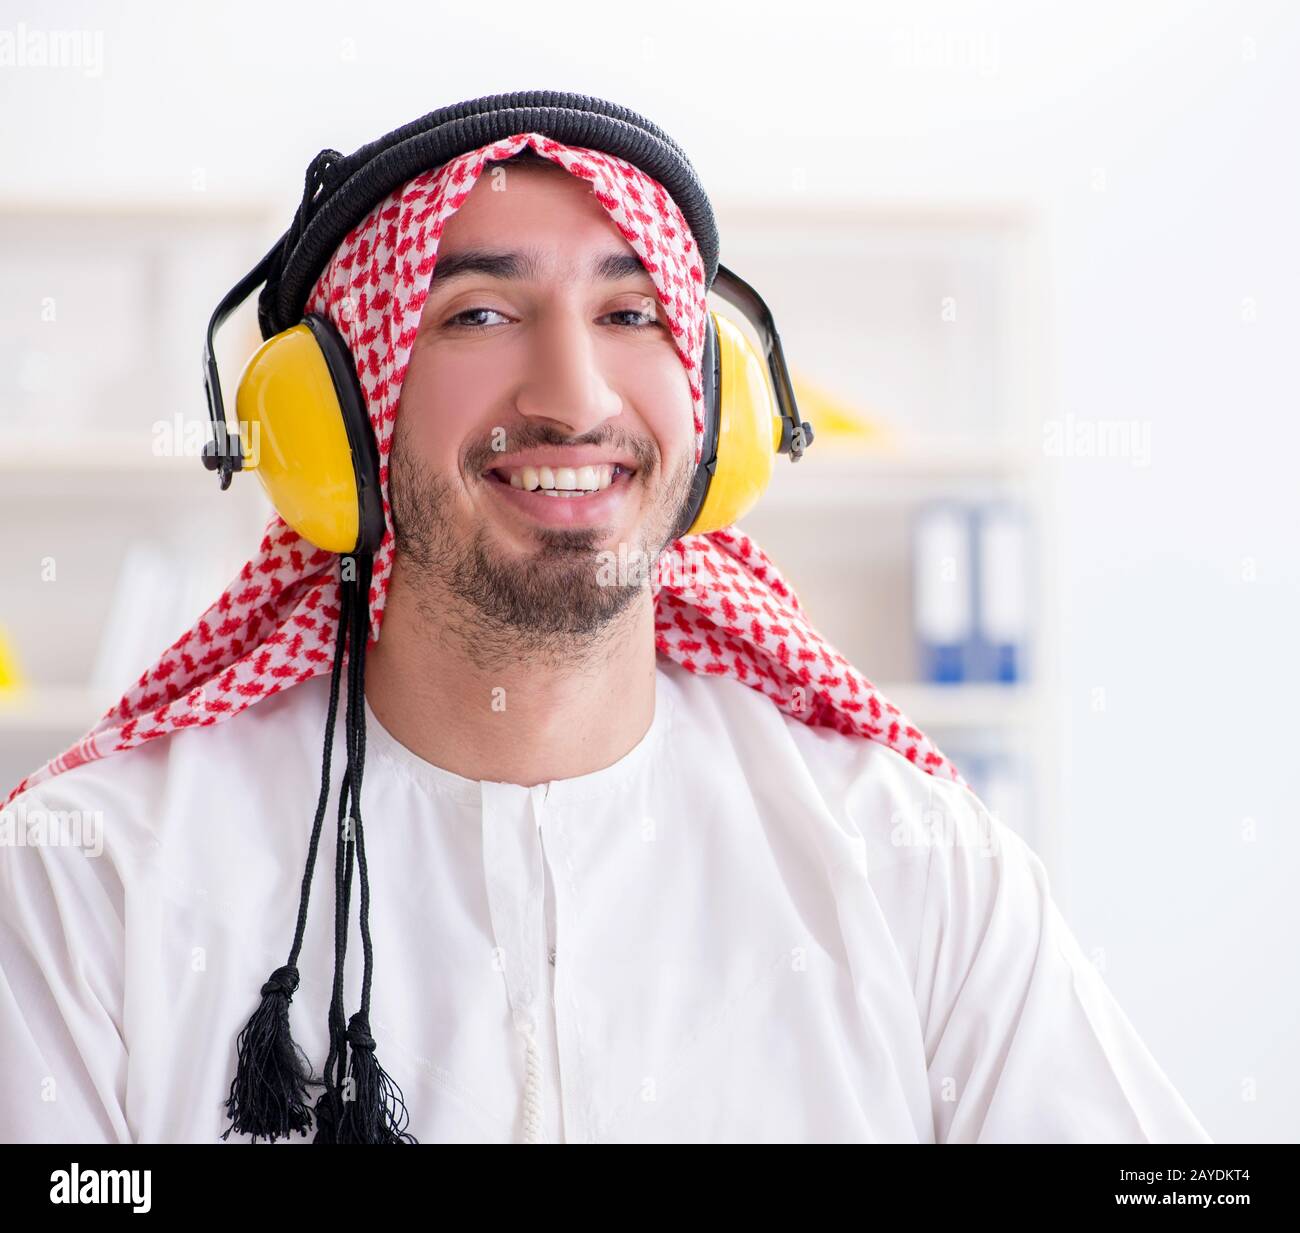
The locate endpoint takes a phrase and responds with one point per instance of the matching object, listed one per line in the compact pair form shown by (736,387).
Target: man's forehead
(594,263)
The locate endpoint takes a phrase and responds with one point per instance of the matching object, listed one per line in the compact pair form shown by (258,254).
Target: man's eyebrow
(613,266)
(607,267)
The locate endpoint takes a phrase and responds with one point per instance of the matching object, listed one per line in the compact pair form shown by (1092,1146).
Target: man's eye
(648,319)
(456,322)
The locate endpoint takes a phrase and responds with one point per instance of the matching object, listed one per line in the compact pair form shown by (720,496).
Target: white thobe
(745,929)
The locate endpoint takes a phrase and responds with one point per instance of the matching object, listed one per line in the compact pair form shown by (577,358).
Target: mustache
(480,457)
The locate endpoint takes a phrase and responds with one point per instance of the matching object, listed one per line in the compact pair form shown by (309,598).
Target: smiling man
(641,858)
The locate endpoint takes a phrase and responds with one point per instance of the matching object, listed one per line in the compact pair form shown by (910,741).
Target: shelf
(846,479)
(76,209)
(803,209)
(976,705)
(117,466)
(50,708)
(837,458)
(108,453)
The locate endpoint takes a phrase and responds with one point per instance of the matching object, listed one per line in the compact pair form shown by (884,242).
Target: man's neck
(525,720)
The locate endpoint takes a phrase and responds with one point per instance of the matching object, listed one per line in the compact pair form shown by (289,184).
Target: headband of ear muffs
(303,424)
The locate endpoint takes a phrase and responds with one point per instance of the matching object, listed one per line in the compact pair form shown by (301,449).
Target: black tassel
(373,1108)
(327,1116)
(268,1093)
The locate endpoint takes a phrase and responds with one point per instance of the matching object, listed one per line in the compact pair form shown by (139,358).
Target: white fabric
(764,931)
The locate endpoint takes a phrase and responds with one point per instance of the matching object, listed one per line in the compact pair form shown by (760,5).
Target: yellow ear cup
(749,433)
(295,439)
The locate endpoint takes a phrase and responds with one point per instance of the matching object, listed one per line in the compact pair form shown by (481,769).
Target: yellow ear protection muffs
(750,414)
(303,425)
(305,432)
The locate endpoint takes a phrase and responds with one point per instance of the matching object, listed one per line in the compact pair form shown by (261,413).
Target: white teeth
(563,481)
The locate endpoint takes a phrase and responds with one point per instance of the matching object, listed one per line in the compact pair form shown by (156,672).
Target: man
(626,887)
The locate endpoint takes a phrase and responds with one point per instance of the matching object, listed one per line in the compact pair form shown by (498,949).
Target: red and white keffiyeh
(721,607)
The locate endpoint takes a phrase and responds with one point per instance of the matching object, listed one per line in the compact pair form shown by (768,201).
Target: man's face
(543,359)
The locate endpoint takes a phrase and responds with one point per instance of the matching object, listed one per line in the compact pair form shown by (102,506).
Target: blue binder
(943,595)
(1001,591)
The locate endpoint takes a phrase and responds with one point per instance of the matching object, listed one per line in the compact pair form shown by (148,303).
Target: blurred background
(1034,267)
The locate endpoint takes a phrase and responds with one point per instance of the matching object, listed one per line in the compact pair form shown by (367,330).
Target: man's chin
(536,542)
(569,583)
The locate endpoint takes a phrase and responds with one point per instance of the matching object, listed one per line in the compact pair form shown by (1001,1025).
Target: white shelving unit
(103,323)
(928,321)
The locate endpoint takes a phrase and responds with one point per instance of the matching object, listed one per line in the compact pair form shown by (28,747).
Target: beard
(553,603)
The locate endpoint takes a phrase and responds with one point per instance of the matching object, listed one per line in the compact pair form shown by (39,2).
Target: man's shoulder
(135,786)
(868,786)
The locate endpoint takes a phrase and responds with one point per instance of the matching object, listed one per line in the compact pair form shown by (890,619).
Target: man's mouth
(586,496)
(565,483)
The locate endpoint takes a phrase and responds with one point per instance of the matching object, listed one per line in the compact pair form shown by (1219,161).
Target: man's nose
(565,382)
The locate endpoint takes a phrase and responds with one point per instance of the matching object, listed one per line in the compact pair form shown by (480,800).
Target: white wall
(1157,137)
